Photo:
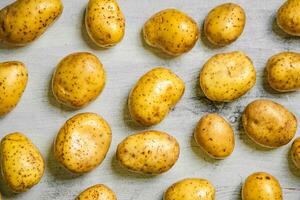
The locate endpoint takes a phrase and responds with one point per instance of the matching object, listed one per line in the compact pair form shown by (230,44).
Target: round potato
(261,186)
(78,80)
(283,71)
(224,24)
(288,17)
(25,20)
(171,31)
(226,77)
(295,152)
(269,124)
(82,143)
(22,165)
(97,192)
(215,136)
(149,152)
(105,22)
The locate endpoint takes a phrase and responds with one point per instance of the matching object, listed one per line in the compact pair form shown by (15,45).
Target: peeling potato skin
(288,17)
(97,192)
(295,152)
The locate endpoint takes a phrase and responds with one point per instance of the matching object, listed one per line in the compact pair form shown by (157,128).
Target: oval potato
(288,17)
(295,152)
(97,192)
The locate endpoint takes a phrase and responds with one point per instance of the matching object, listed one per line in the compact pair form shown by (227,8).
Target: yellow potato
(78,79)
(13,81)
(224,24)
(215,136)
(191,189)
(269,124)
(82,143)
(154,95)
(295,152)
(288,17)
(261,186)
(22,164)
(171,31)
(25,20)
(105,22)
(226,77)
(148,152)
(97,192)
(284,71)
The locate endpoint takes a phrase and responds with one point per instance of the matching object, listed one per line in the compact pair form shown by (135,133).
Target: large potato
(97,192)
(105,22)
(288,17)
(25,20)
(171,31)
(295,152)
(227,76)
(22,165)
(269,124)
(82,143)
(149,152)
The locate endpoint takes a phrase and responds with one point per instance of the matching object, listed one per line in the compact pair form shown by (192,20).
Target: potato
(261,186)
(288,17)
(224,24)
(105,22)
(171,31)
(154,95)
(25,20)
(227,76)
(295,152)
(13,81)
(148,152)
(82,143)
(283,71)
(78,80)
(22,165)
(215,136)
(191,189)
(97,192)
(268,123)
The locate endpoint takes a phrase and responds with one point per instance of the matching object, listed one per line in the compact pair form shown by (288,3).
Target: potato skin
(171,31)
(105,22)
(78,80)
(25,20)
(82,143)
(283,71)
(148,152)
(224,24)
(227,76)
(268,123)
(22,164)
(97,192)
(215,136)
(295,152)
(288,17)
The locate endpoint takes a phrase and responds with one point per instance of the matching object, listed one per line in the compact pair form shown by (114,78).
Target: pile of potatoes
(83,141)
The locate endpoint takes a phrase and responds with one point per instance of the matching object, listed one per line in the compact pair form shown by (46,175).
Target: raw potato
(269,124)
(295,152)
(261,186)
(22,164)
(227,76)
(25,20)
(13,81)
(171,31)
(149,152)
(82,142)
(215,136)
(288,17)
(224,24)
(284,71)
(97,192)
(191,189)
(154,95)
(78,79)
(105,22)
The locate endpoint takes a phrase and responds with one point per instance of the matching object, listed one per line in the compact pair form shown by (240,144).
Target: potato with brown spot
(288,17)
(295,152)
(148,152)
(97,192)
(82,143)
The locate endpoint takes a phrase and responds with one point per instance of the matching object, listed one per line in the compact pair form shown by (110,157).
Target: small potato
(288,17)
(226,77)
(22,165)
(295,152)
(149,152)
(105,22)
(82,143)
(25,20)
(154,95)
(13,81)
(97,192)
(191,189)
(78,80)
(224,24)
(171,31)
(261,186)
(283,71)
(215,136)
(269,124)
